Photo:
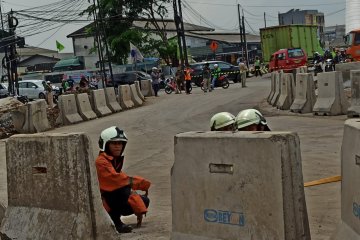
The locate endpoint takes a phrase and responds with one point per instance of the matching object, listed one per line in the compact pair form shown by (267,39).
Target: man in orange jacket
(118,190)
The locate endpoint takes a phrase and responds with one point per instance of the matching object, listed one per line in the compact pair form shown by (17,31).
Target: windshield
(356,38)
(294,53)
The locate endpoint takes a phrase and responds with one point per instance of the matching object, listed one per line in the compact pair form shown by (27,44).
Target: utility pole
(177,23)
(265,18)
(99,47)
(244,35)
(241,33)
(105,41)
(13,22)
(183,34)
(6,57)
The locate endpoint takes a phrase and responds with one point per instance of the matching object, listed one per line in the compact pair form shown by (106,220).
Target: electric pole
(177,23)
(244,35)
(265,18)
(5,61)
(183,34)
(241,46)
(13,22)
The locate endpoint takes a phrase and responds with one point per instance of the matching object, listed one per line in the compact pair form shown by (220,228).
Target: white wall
(352,15)
(82,48)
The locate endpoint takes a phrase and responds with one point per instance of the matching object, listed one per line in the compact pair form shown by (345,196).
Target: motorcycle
(170,86)
(329,65)
(317,67)
(222,81)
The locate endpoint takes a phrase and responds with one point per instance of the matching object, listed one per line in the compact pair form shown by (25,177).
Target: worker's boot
(123,228)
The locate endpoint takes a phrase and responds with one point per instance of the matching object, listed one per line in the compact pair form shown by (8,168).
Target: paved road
(149,153)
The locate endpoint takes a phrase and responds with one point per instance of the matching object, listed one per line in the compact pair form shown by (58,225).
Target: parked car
(3,90)
(226,68)
(287,59)
(33,89)
(128,78)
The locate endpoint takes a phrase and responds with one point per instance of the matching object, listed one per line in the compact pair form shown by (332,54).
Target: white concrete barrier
(354,109)
(331,99)
(53,189)
(287,95)
(252,192)
(350,191)
(84,107)
(273,87)
(138,90)
(98,102)
(31,117)
(304,94)
(68,110)
(125,97)
(111,100)
(345,69)
(134,96)
(146,88)
(277,88)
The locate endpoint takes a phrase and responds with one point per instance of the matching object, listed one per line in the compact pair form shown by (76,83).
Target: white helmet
(112,134)
(154,68)
(220,120)
(249,117)
(215,65)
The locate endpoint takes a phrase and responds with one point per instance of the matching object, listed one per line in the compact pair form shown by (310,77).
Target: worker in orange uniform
(118,190)
(188,72)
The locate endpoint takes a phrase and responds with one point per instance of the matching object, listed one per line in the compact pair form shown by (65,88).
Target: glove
(139,183)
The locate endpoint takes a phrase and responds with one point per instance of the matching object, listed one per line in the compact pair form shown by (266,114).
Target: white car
(33,89)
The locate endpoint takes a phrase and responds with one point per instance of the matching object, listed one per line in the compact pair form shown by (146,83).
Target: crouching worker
(222,121)
(118,190)
(251,120)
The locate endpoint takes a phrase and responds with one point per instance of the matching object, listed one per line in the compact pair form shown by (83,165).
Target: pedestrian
(257,67)
(94,82)
(65,85)
(118,190)
(216,74)
(71,83)
(222,121)
(179,76)
(206,73)
(83,82)
(155,80)
(251,120)
(188,72)
(243,71)
(48,90)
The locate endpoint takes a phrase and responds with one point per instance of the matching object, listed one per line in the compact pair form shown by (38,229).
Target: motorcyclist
(222,121)
(343,56)
(216,74)
(206,77)
(317,57)
(327,56)
(118,190)
(251,120)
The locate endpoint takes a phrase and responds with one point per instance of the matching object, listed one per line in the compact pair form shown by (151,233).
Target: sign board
(214,45)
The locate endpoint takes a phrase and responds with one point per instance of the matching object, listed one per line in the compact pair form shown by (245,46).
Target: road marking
(323,181)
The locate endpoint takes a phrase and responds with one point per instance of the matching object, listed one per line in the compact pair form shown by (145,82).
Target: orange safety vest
(187,75)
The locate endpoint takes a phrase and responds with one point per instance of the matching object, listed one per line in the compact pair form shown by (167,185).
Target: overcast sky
(220,14)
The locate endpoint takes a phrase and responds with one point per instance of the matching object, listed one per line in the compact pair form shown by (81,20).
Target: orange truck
(353,43)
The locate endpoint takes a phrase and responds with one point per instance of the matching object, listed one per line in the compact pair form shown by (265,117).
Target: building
(307,17)
(352,16)
(334,36)
(198,39)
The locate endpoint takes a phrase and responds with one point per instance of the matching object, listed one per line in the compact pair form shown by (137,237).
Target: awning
(67,64)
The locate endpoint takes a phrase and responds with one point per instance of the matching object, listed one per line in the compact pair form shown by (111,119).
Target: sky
(219,14)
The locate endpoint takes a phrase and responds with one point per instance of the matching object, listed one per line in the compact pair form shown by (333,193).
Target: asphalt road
(149,152)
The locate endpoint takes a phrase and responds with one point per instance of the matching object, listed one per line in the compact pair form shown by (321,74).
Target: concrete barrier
(54,189)
(354,109)
(331,99)
(277,93)
(84,107)
(345,69)
(2,212)
(350,191)
(68,110)
(98,102)
(304,94)
(146,88)
(138,90)
(31,117)
(273,87)
(134,96)
(111,100)
(252,192)
(287,95)
(125,97)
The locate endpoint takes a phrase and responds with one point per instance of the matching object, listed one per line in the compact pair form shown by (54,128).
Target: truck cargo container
(289,36)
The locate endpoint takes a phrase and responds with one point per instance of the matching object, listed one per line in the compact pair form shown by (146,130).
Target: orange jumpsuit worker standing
(188,71)
(117,188)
